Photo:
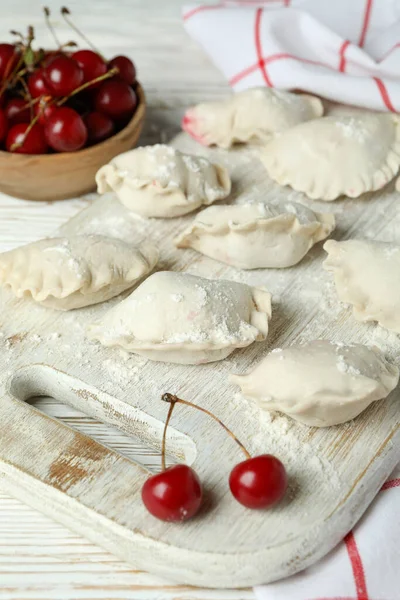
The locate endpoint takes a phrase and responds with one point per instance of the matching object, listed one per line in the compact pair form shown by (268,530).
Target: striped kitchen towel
(344,50)
(365,566)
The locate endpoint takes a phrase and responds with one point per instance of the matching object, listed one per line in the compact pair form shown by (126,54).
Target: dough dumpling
(320,383)
(252,115)
(180,318)
(367,276)
(260,235)
(334,156)
(159,181)
(66,273)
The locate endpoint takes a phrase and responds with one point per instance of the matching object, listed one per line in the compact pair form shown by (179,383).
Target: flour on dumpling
(252,115)
(334,156)
(367,276)
(320,383)
(72,272)
(160,181)
(274,234)
(177,317)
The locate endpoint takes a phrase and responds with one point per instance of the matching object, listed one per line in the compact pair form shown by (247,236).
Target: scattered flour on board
(293,304)
(277,434)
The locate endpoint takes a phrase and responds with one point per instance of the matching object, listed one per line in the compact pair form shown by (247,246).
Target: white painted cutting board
(334,473)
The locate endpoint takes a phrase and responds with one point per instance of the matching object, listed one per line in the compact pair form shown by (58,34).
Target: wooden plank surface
(346,465)
(40,559)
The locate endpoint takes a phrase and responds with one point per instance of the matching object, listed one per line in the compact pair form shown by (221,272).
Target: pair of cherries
(176,493)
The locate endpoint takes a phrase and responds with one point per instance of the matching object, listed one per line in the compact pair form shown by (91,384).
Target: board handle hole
(130,446)
(121,427)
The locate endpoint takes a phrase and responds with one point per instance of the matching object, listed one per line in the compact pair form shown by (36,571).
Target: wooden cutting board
(334,473)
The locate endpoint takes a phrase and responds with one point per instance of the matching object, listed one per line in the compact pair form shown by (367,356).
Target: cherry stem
(18,34)
(28,129)
(164,438)
(107,75)
(27,92)
(70,44)
(65,12)
(9,77)
(174,400)
(32,102)
(50,27)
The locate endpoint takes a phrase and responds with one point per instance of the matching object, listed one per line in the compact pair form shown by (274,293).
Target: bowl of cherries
(63,114)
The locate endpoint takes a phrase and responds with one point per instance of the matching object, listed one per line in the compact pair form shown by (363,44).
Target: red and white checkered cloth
(343,50)
(347,51)
(365,566)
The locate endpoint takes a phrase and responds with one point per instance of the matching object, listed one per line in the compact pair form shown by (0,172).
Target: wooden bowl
(67,174)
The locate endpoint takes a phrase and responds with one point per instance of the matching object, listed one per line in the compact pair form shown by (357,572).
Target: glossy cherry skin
(126,68)
(63,75)
(43,109)
(32,143)
(91,64)
(16,111)
(259,482)
(8,59)
(37,85)
(115,99)
(99,126)
(174,494)
(3,125)
(65,130)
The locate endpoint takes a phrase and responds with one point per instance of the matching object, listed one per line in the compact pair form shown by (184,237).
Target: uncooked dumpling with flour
(367,276)
(159,181)
(334,156)
(259,235)
(321,383)
(180,318)
(66,273)
(252,115)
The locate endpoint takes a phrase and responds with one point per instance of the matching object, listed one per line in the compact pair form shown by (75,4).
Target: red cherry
(50,55)
(174,494)
(258,482)
(65,130)
(17,111)
(3,125)
(126,68)
(63,75)
(99,126)
(37,85)
(91,64)
(8,59)
(115,99)
(43,109)
(32,143)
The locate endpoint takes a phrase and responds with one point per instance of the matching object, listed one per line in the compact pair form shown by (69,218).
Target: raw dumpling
(159,181)
(65,273)
(260,235)
(320,383)
(180,318)
(332,156)
(254,114)
(367,276)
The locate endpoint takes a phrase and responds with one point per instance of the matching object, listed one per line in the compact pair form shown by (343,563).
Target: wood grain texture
(59,471)
(39,558)
(172,80)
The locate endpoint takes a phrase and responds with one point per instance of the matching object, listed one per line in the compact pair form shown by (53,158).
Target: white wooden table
(40,559)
